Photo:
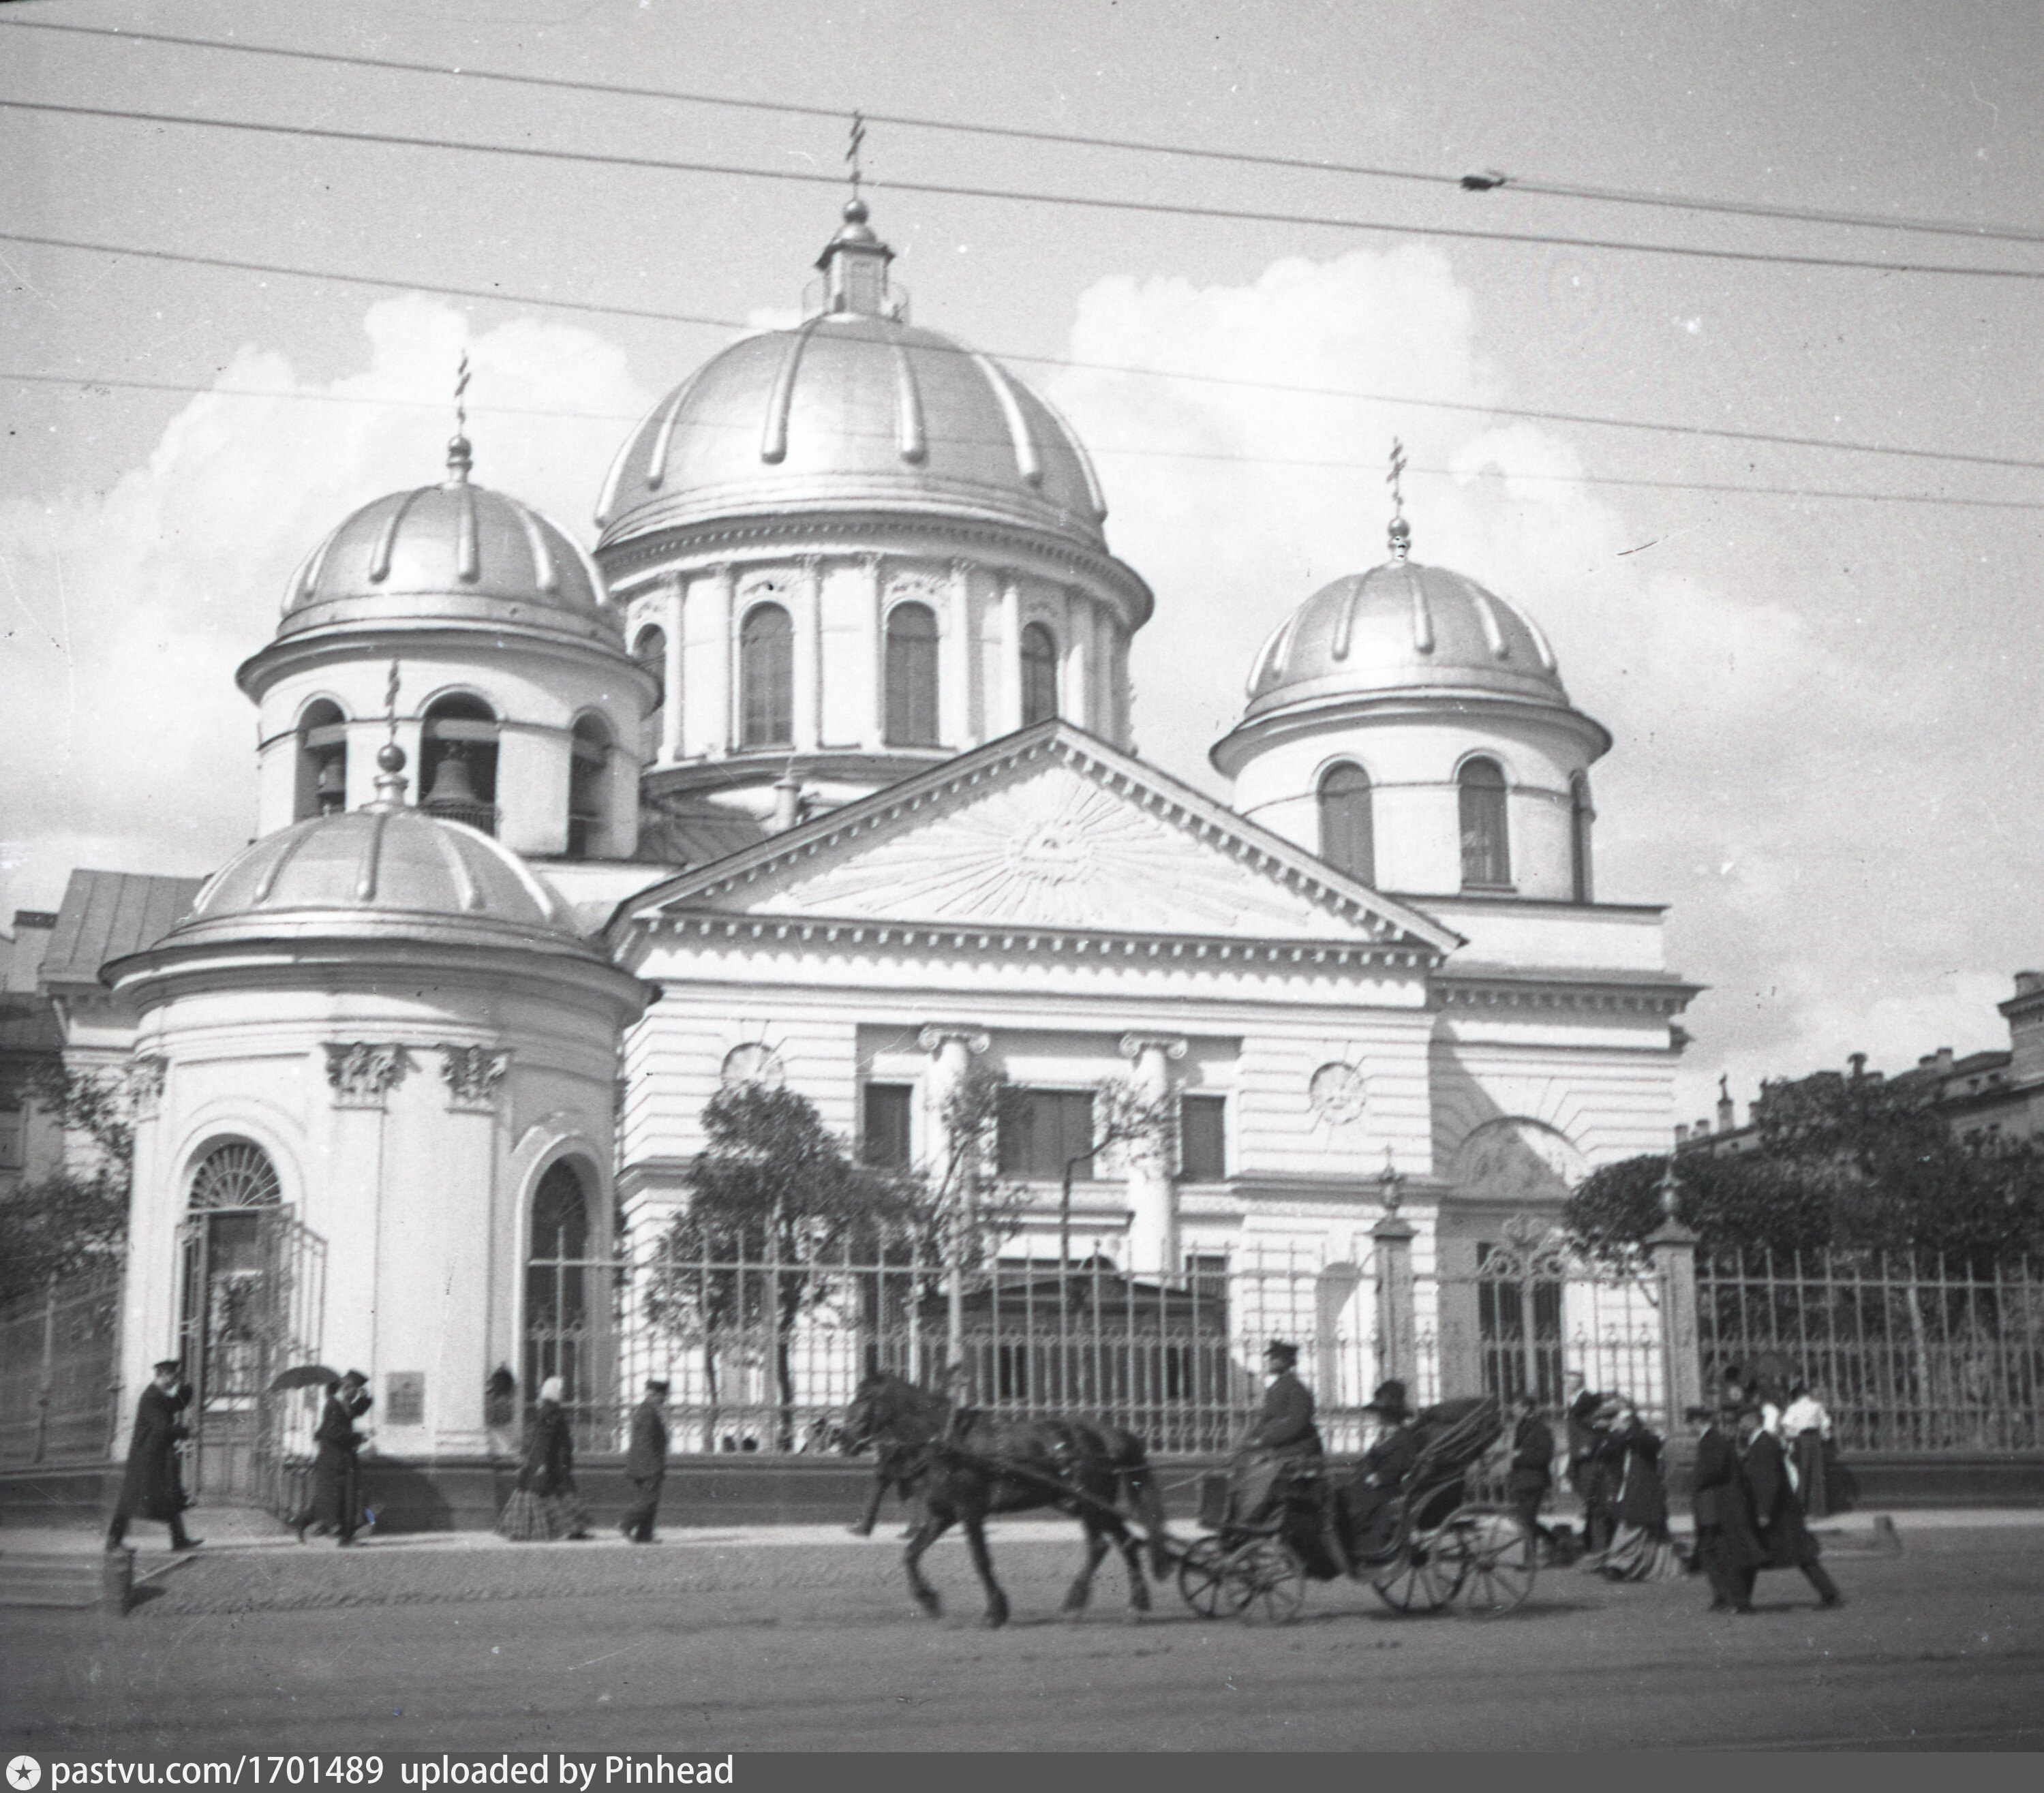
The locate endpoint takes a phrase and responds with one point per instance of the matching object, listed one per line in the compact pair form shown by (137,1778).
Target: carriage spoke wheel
(1497,1557)
(1266,1581)
(1421,1579)
(1204,1582)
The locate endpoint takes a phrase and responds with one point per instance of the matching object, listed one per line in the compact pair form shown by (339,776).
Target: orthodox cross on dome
(852,149)
(459,459)
(1401,531)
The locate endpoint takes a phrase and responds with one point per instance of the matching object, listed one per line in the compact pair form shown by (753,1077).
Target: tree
(778,1209)
(70,1221)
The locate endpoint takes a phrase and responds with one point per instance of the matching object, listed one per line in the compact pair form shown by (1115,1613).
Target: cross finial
(390,701)
(852,149)
(459,459)
(1401,531)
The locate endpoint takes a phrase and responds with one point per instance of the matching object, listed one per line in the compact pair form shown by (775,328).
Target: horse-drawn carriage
(1423,1547)
(1419,1543)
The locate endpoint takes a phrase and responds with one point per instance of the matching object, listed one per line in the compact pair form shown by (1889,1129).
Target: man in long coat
(1532,1471)
(1785,1542)
(1285,1435)
(152,1488)
(335,1507)
(646,1463)
(1726,1547)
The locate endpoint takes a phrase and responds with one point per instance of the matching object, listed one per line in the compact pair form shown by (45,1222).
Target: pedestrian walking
(1806,1428)
(1641,1548)
(1785,1542)
(646,1463)
(336,1505)
(152,1488)
(1726,1551)
(1532,1471)
(545,1505)
(1589,1476)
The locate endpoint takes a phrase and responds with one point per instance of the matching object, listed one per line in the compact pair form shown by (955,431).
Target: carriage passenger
(1384,1468)
(1285,1435)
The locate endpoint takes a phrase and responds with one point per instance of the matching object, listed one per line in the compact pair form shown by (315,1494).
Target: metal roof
(107,914)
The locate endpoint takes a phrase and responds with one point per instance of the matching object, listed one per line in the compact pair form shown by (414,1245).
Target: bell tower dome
(520,708)
(851,549)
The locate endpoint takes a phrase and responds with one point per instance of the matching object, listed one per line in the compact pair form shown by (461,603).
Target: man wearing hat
(1785,1541)
(646,1463)
(1285,1435)
(152,1489)
(1726,1551)
(334,1506)
(1383,1467)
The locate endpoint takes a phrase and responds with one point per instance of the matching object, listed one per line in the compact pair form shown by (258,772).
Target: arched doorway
(249,1306)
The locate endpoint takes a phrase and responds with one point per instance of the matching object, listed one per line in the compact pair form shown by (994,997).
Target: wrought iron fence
(1907,1352)
(59,1388)
(765,1355)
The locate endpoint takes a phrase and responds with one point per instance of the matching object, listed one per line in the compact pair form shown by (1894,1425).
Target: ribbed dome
(854,408)
(1403,626)
(451,552)
(382,870)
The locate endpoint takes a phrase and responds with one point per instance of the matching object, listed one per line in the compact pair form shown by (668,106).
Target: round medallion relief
(1335,1092)
(755,1062)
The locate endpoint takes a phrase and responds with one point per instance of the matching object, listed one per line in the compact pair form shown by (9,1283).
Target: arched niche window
(322,787)
(651,651)
(1486,854)
(458,762)
(587,768)
(1580,815)
(912,676)
(561,1288)
(766,678)
(1347,838)
(1039,675)
(231,1305)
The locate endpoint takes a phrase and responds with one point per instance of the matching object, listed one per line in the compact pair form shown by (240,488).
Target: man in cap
(1284,1434)
(334,1506)
(152,1488)
(1726,1551)
(1532,1471)
(1384,1466)
(646,1463)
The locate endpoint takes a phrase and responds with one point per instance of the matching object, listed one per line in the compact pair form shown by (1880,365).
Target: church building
(818,771)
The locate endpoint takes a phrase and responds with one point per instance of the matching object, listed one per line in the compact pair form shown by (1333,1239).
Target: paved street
(813,1644)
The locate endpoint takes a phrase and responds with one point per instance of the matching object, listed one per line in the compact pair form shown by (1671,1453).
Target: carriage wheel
(1496,1558)
(1421,1579)
(1204,1582)
(1267,1581)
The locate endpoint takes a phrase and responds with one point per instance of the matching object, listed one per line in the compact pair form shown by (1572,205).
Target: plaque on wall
(404,1397)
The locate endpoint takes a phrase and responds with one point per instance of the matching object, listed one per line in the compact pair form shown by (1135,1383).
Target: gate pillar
(1672,1247)
(1396,1355)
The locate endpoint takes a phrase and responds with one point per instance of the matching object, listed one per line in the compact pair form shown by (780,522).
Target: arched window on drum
(912,676)
(1039,675)
(766,678)
(1347,838)
(564,1290)
(1581,813)
(1486,853)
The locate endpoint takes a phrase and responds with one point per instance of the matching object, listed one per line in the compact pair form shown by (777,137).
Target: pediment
(1058,832)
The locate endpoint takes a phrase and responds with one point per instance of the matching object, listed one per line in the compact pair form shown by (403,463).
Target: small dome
(855,407)
(1403,626)
(384,870)
(453,552)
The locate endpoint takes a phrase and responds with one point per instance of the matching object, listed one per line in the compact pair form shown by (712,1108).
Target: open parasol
(305,1375)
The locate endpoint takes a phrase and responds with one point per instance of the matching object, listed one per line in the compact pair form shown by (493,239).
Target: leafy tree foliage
(68,1223)
(1851,1162)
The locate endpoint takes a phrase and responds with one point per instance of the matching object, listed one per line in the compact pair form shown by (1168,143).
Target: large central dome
(856,410)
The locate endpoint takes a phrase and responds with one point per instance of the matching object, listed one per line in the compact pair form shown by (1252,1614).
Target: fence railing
(1907,1352)
(60,1393)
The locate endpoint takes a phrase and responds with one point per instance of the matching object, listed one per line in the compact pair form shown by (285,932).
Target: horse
(966,1464)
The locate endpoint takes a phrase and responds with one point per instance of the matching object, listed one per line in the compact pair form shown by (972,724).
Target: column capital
(808,563)
(1133,1046)
(939,1035)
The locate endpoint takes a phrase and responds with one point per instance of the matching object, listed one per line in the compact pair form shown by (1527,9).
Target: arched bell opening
(588,775)
(322,769)
(458,762)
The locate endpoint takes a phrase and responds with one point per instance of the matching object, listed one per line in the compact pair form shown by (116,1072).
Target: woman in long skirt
(1641,1549)
(1806,1429)
(545,1505)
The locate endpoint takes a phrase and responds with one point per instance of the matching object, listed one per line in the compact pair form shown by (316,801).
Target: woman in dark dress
(546,1505)
(336,1505)
(1641,1549)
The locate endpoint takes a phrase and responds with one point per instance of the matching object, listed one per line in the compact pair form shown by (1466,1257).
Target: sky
(1827,759)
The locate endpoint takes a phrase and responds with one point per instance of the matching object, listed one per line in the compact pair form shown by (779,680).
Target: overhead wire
(1158,208)
(87,382)
(1485,181)
(1527,413)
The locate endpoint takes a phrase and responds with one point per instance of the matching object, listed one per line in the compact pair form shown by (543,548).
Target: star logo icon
(23,1773)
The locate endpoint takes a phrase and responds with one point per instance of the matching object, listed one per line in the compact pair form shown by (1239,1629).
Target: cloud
(130,609)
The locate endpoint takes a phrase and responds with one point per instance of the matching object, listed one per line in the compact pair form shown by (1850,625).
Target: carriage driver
(1285,1435)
